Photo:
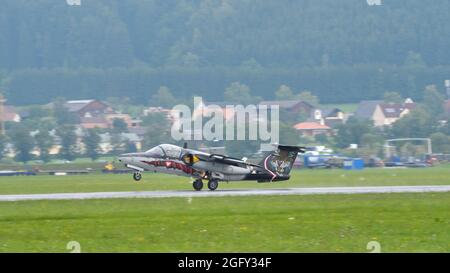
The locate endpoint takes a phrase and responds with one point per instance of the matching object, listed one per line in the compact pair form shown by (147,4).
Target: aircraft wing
(194,156)
(225,160)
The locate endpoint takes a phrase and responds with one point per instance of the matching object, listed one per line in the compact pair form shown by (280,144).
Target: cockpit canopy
(165,151)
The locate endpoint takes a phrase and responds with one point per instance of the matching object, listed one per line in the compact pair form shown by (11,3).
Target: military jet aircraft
(214,168)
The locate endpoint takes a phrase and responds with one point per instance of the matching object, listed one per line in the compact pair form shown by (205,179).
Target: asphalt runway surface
(221,193)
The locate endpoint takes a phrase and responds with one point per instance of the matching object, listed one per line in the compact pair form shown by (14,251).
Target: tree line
(273,33)
(55,127)
(343,51)
(331,84)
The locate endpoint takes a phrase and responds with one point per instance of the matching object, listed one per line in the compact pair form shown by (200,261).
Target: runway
(222,193)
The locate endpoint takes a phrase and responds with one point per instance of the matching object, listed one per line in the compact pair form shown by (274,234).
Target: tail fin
(279,162)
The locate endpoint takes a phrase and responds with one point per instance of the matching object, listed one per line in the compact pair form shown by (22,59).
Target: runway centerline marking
(222,193)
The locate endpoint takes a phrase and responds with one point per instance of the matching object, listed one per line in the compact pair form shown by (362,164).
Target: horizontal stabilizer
(290,148)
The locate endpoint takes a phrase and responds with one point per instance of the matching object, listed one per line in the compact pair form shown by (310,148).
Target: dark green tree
(284,92)
(61,113)
(392,97)
(157,130)
(419,123)
(308,97)
(240,94)
(163,98)
(23,143)
(3,142)
(322,139)
(36,111)
(372,140)
(130,147)
(440,142)
(288,135)
(91,142)
(44,141)
(433,101)
(352,132)
(117,143)
(119,125)
(68,142)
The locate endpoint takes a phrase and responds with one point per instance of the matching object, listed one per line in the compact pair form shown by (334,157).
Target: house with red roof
(88,108)
(10,114)
(312,129)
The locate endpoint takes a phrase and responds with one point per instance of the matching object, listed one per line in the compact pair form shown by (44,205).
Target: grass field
(321,223)
(344,223)
(302,178)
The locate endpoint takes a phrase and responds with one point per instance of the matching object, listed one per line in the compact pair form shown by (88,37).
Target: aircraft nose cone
(128,158)
(122,158)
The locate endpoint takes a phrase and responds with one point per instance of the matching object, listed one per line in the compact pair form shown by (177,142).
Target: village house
(312,129)
(7,113)
(291,106)
(10,114)
(330,117)
(382,113)
(88,113)
(88,108)
(97,114)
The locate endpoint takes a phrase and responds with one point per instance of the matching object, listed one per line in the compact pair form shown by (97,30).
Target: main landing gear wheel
(213,184)
(137,176)
(198,185)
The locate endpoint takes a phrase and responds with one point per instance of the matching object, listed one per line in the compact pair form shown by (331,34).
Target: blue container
(354,164)
(358,164)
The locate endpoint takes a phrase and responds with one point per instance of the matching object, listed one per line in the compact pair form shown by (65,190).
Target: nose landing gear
(198,184)
(137,176)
